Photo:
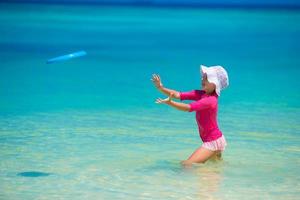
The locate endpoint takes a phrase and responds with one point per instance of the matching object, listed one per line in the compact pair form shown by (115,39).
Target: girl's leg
(200,155)
(217,156)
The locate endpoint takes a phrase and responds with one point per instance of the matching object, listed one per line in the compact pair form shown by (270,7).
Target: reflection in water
(208,178)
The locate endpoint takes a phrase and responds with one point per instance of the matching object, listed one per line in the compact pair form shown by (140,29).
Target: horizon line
(166,5)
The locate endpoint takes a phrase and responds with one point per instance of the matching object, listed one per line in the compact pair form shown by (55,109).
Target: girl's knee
(217,156)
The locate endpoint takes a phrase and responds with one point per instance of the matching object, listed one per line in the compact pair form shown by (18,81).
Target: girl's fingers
(153,77)
(156,79)
(159,100)
(154,82)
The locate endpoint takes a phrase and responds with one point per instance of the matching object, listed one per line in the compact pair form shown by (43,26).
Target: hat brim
(210,77)
(203,69)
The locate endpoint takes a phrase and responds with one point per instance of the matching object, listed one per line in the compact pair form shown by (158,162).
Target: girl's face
(207,86)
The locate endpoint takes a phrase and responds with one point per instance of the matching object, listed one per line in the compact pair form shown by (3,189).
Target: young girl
(205,104)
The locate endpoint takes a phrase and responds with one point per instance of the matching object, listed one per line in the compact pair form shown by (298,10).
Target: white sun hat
(217,75)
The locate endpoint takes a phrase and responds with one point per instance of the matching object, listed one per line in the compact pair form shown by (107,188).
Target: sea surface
(88,128)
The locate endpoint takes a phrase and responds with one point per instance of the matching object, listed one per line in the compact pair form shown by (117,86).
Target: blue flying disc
(66,57)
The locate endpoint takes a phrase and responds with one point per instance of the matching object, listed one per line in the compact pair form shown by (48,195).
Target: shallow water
(91,127)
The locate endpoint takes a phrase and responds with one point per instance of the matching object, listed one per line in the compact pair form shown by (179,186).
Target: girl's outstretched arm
(158,84)
(177,105)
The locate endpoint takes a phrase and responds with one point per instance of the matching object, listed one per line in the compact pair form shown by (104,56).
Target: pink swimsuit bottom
(216,145)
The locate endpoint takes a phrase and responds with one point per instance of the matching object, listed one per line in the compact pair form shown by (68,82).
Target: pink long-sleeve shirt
(206,107)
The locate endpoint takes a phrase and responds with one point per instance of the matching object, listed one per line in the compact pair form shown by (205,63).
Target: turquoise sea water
(90,127)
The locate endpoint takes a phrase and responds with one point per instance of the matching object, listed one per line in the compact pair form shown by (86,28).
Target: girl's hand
(156,80)
(166,100)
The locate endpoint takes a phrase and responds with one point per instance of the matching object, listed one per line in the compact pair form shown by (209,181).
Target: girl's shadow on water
(33,174)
